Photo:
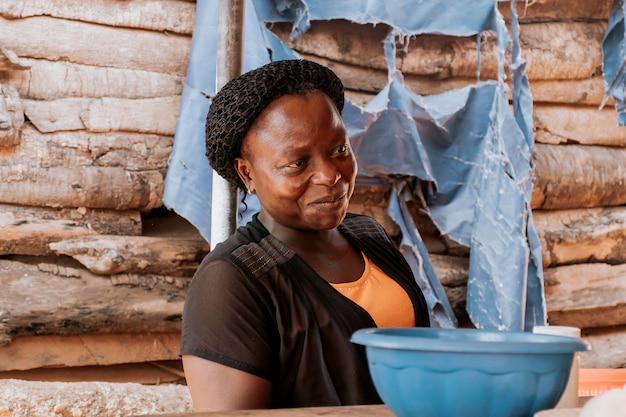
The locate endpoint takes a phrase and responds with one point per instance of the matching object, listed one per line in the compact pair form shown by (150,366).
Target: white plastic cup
(569,399)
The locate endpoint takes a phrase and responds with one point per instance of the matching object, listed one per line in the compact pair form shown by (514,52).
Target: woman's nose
(327,173)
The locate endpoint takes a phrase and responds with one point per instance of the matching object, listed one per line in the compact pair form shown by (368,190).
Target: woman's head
(237,105)
(287,143)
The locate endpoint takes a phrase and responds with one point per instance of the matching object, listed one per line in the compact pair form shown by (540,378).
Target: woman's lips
(331,199)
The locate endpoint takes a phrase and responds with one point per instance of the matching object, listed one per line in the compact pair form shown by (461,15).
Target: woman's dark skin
(297,158)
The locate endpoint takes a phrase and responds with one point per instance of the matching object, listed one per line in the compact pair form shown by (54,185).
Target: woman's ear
(242,166)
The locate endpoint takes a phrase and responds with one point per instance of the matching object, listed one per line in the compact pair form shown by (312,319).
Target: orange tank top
(382,297)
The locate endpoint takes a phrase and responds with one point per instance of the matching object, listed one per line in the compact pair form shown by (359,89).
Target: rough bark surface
(10,61)
(110,254)
(48,80)
(577,176)
(90,399)
(586,295)
(579,236)
(75,351)
(35,302)
(11,116)
(607,348)
(92,187)
(559,10)
(73,41)
(553,51)
(175,16)
(580,125)
(128,150)
(28,230)
(149,115)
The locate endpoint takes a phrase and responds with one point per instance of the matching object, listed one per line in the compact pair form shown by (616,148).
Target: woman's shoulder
(361,225)
(251,249)
(245,234)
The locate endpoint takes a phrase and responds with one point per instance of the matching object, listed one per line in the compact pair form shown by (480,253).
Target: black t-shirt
(256,306)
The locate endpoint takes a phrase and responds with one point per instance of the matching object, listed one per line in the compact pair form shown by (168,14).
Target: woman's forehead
(292,122)
(294,110)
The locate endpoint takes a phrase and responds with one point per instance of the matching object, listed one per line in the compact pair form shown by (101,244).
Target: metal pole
(229,65)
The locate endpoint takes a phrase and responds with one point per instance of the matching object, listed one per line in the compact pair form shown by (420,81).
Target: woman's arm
(217,387)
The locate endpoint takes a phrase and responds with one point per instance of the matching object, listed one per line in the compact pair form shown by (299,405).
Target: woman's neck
(299,239)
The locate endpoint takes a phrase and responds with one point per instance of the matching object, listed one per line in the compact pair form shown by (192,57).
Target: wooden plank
(57,115)
(582,235)
(551,10)
(146,373)
(581,125)
(364,80)
(92,187)
(453,272)
(29,230)
(553,51)
(88,304)
(577,176)
(378,410)
(32,352)
(176,16)
(133,151)
(151,115)
(64,267)
(560,50)
(588,91)
(607,348)
(440,57)
(110,254)
(10,61)
(66,40)
(90,399)
(11,116)
(363,83)
(586,295)
(50,80)
(156,115)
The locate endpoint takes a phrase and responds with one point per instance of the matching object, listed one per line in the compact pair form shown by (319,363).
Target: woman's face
(297,158)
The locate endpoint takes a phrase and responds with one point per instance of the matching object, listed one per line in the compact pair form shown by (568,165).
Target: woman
(270,311)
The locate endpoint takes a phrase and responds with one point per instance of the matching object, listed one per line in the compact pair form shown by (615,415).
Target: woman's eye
(296,164)
(340,150)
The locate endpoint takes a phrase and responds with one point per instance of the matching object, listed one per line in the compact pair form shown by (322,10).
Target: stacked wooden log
(88,106)
(579,198)
(90,399)
(89,97)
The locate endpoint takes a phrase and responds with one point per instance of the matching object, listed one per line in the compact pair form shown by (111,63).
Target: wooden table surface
(344,411)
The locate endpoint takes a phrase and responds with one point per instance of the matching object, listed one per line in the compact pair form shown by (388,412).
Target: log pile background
(93,270)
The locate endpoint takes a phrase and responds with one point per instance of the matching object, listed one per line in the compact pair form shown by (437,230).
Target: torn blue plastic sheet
(416,254)
(614,60)
(475,163)
(463,153)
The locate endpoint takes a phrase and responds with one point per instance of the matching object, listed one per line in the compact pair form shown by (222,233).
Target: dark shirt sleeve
(224,321)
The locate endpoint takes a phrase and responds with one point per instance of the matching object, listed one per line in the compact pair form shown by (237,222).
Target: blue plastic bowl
(425,372)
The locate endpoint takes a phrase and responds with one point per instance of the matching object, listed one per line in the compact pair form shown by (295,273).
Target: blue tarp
(463,153)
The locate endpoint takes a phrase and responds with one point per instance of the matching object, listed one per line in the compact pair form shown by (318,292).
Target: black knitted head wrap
(236,106)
